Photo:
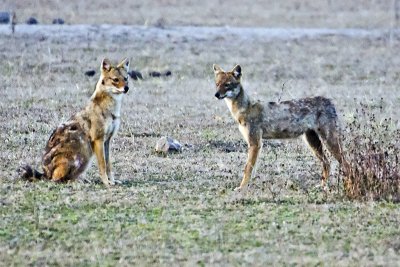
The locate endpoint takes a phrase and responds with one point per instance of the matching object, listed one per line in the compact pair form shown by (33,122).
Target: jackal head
(228,83)
(115,79)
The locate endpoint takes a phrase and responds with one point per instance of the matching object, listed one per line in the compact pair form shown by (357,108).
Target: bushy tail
(27,173)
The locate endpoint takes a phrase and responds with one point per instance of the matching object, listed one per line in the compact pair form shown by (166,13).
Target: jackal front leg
(108,163)
(253,152)
(98,147)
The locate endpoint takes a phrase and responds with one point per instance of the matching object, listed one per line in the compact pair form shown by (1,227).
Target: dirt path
(189,32)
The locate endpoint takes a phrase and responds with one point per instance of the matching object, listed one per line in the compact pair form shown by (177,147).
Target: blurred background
(267,13)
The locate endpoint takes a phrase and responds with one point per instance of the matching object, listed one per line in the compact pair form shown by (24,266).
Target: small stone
(167,144)
(134,74)
(32,21)
(58,21)
(90,73)
(154,74)
(158,74)
(160,23)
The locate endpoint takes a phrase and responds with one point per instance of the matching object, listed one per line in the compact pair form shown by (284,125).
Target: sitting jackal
(314,117)
(73,143)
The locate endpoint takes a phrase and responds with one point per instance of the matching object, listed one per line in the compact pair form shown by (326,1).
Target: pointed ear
(105,65)
(124,63)
(237,72)
(217,69)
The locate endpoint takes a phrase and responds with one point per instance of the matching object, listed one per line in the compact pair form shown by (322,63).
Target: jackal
(314,117)
(72,144)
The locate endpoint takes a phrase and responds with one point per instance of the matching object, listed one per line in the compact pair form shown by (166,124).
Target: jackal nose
(126,89)
(217,95)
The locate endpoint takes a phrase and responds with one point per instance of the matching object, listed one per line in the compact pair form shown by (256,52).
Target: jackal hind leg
(61,171)
(332,142)
(313,140)
(331,137)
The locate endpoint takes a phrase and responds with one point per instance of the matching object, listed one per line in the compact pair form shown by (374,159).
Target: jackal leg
(98,147)
(312,139)
(331,138)
(255,146)
(108,162)
(107,157)
(61,171)
(333,144)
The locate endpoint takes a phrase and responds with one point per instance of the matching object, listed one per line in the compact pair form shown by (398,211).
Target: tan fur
(72,144)
(315,118)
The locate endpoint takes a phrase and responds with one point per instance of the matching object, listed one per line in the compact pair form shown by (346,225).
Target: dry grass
(372,148)
(181,209)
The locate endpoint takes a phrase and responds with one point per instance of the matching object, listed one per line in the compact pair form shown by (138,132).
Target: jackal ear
(106,65)
(124,63)
(217,69)
(237,72)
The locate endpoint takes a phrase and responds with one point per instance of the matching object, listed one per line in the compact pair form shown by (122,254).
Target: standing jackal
(72,144)
(314,117)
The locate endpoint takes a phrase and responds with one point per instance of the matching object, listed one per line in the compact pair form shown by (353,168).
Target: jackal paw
(115,182)
(107,182)
(238,189)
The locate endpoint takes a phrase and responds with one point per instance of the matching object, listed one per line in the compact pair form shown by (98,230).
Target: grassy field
(180,209)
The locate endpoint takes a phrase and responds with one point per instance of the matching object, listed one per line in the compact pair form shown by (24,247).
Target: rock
(90,73)
(160,74)
(135,75)
(58,21)
(160,23)
(167,144)
(32,21)
(5,17)
(154,74)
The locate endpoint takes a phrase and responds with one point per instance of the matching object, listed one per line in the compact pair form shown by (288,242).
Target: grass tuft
(373,150)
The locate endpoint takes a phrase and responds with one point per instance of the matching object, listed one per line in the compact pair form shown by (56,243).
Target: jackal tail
(27,173)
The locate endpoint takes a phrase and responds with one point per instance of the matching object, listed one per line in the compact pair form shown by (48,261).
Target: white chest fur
(244,130)
(113,127)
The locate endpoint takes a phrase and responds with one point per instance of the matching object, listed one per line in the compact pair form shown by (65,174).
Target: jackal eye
(116,80)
